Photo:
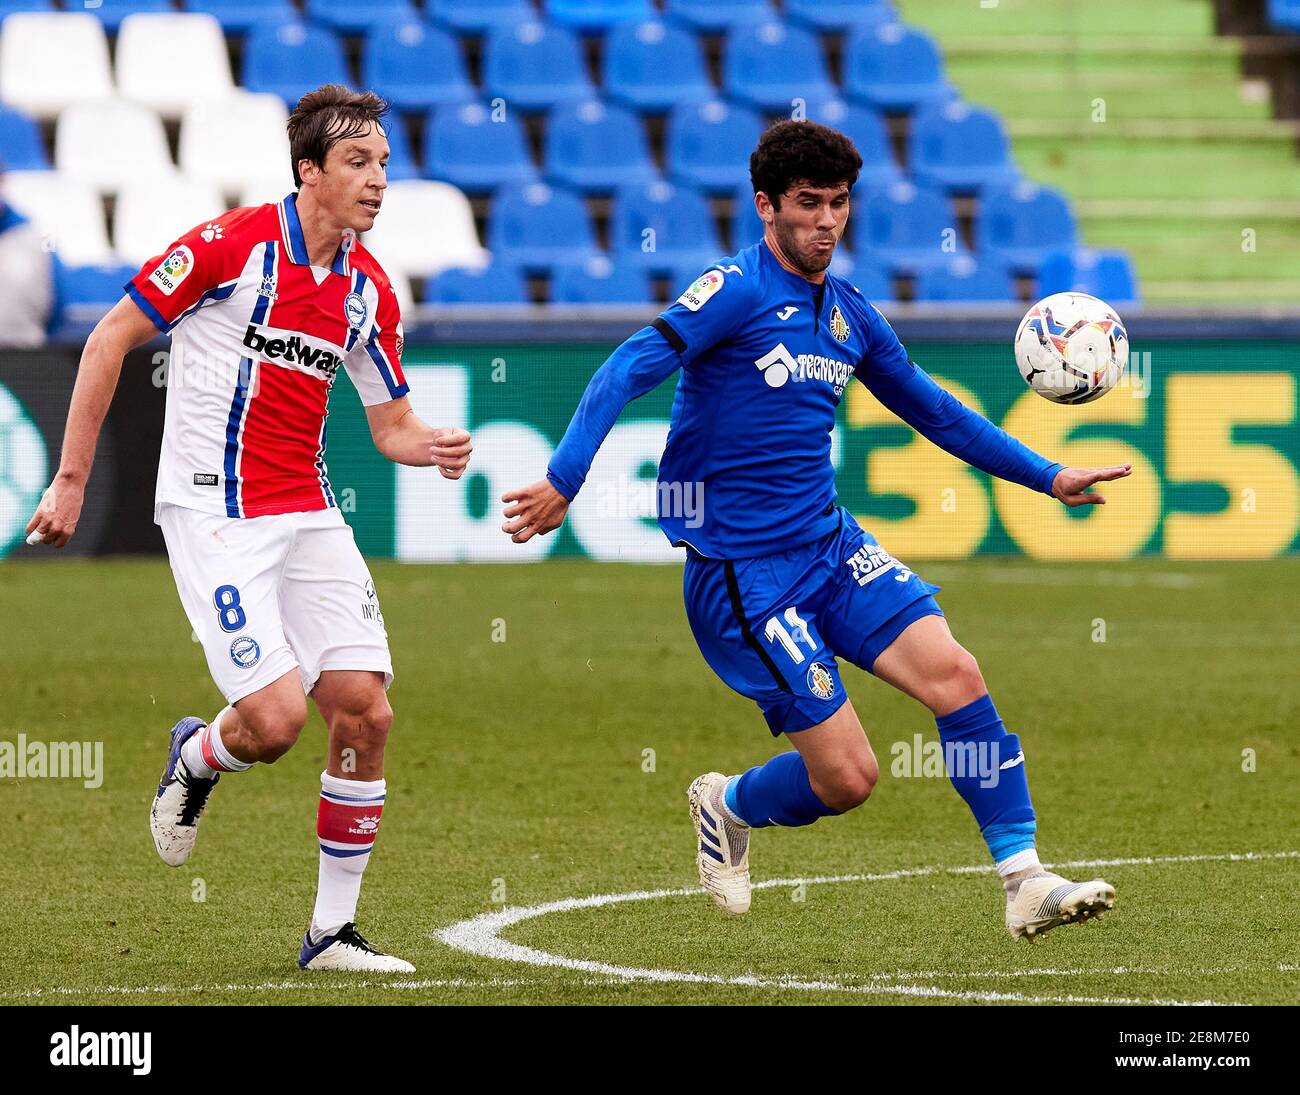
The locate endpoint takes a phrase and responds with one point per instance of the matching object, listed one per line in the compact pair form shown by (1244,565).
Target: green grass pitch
(518,776)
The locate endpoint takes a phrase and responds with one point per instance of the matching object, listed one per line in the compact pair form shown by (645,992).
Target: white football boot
(347,949)
(1046,900)
(722,845)
(178,805)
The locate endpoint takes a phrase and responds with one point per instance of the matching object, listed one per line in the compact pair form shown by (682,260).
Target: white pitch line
(283,986)
(481,936)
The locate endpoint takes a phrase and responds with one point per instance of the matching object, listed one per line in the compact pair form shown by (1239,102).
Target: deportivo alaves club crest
(839,325)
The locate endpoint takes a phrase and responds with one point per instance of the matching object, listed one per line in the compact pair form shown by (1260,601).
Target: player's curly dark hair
(330,114)
(791,152)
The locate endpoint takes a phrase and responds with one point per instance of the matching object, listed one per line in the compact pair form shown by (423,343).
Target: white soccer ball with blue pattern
(1071,348)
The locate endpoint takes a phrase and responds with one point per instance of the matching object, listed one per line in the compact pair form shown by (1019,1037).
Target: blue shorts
(771,627)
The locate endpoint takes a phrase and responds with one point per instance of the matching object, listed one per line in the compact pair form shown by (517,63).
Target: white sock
(1026,860)
(347,822)
(205,754)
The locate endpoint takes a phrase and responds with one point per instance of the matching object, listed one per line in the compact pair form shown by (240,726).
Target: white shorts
(269,594)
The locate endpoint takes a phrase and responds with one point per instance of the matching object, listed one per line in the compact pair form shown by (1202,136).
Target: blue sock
(987,768)
(776,793)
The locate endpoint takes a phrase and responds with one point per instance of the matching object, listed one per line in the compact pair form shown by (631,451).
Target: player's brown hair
(790,152)
(330,114)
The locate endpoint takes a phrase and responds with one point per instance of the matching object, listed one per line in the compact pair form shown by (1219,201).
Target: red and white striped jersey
(258,334)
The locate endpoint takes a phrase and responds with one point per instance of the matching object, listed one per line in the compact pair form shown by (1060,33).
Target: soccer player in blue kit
(779,579)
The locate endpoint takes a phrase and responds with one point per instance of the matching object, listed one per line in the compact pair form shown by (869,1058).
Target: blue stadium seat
(718,16)
(709,144)
(535,66)
(681,223)
(112,12)
(746,224)
(1105,274)
(1284,14)
(593,16)
(401,163)
(480,16)
(599,281)
(465,146)
(414,65)
(349,17)
(21,148)
(1023,224)
(907,228)
(83,295)
(893,67)
(770,65)
(497,283)
(962,279)
(240,16)
(8,7)
(290,58)
(650,66)
(596,148)
(539,228)
(866,128)
(959,147)
(839,15)
(873,280)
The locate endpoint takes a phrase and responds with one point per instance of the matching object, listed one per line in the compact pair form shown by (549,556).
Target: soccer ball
(1071,348)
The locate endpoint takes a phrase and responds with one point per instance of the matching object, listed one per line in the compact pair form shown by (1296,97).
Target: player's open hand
(533,511)
(450,451)
(57,514)
(1071,484)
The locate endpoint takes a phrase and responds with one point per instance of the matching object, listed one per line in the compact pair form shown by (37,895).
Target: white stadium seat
(69,211)
(51,59)
(224,140)
(261,191)
(170,60)
(109,142)
(152,212)
(423,228)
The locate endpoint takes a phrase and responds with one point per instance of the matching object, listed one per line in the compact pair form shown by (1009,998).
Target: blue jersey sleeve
(913,395)
(639,365)
(711,309)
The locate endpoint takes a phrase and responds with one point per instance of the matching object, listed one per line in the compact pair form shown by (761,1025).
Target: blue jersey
(765,356)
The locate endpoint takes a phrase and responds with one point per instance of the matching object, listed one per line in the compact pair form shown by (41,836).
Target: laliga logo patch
(701,290)
(174,269)
(820,682)
(354,306)
(839,325)
(245,652)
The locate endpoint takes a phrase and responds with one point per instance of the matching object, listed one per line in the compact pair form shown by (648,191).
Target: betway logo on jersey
(779,365)
(296,350)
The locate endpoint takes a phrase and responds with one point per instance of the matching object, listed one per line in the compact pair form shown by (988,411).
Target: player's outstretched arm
(636,367)
(401,436)
(912,394)
(122,330)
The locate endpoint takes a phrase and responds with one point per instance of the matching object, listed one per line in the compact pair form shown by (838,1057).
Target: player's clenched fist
(533,511)
(55,519)
(450,451)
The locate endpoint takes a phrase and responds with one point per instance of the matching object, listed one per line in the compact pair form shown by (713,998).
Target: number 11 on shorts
(790,639)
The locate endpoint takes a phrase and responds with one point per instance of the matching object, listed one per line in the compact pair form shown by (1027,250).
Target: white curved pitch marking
(481,935)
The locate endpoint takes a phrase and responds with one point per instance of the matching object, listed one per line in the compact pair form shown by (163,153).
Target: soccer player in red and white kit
(264,305)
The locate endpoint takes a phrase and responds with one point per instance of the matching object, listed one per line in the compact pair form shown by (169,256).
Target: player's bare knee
(850,785)
(275,727)
(363,724)
(967,681)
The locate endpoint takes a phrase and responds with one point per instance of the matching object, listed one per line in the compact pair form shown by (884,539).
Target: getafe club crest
(355,307)
(839,325)
(820,682)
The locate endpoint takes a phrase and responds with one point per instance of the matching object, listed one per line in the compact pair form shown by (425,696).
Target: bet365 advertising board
(1210,427)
